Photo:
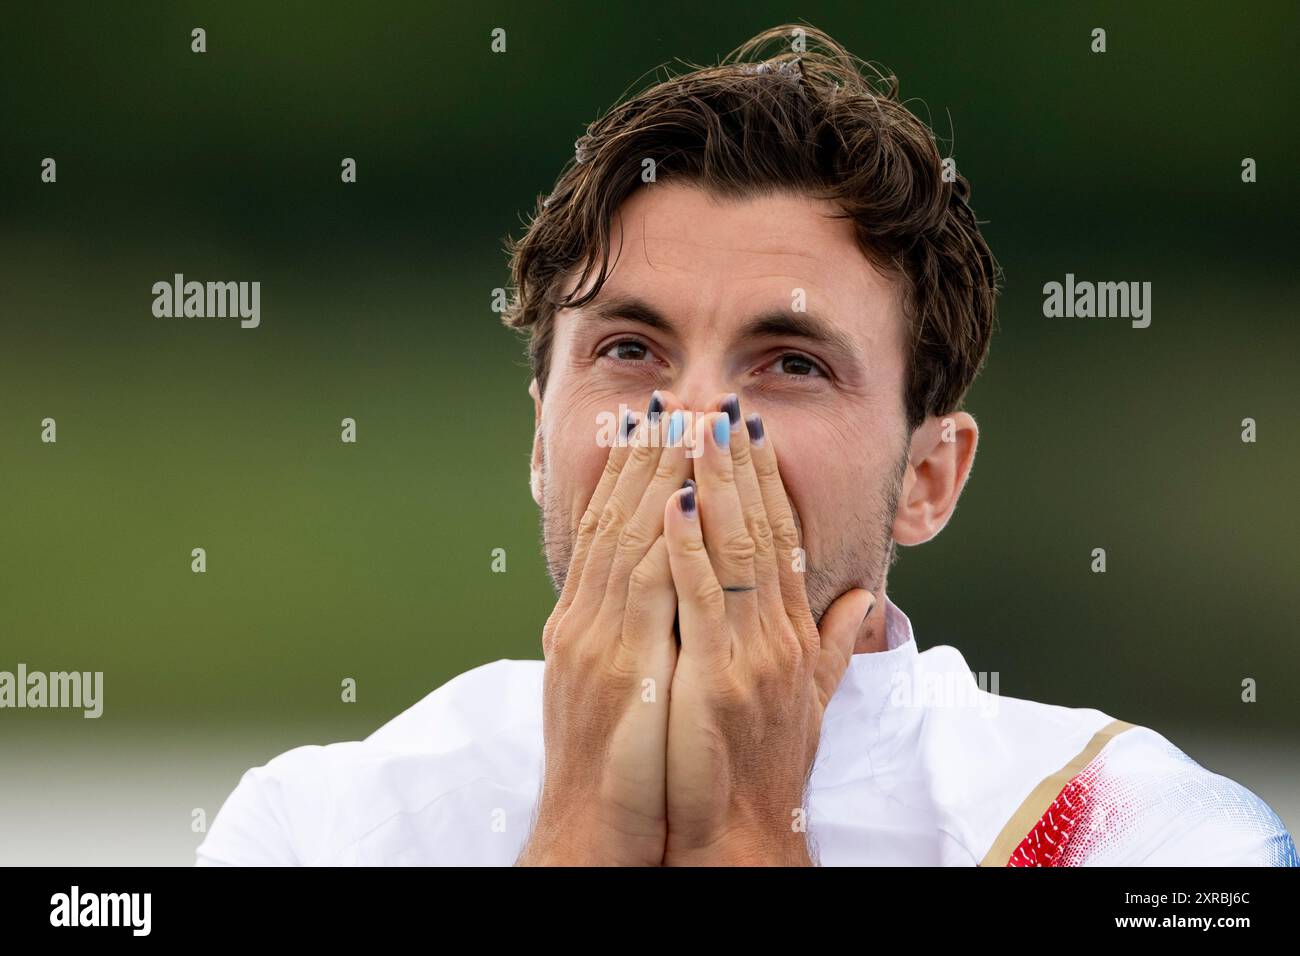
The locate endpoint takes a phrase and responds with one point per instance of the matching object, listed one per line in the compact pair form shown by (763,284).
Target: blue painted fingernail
(731,405)
(755,426)
(674,426)
(656,406)
(722,432)
(629,423)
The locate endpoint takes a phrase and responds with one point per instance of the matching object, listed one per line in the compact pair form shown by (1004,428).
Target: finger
(590,522)
(651,605)
(752,505)
(646,525)
(642,461)
(586,529)
(838,634)
(726,534)
(701,612)
(790,561)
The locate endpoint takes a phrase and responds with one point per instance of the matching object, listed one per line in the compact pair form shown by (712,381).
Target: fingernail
(731,405)
(656,406)
(689,483)
(687,499)
(629,423)
(722,432)
(755,426)
(674,426)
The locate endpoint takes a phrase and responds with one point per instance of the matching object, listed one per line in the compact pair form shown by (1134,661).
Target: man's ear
(938,463)
(535,468)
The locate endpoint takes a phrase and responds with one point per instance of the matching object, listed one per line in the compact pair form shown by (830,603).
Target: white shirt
(918,765)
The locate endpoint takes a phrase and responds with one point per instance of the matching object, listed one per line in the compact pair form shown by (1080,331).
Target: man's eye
(627,350)
(798,365)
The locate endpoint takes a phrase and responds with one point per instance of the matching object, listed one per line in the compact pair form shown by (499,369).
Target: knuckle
(764,465)
(633,541)
(621,671)
(769,682)
(791,651)
(643,452)
(571,654)
(611,516)
(782,660)
(760,529)
(644,577)
(737,546)
(705,590)
(785,535)
(733,700)
(613,463)
(694,548)
(667,469)
(589,523)
(553,624)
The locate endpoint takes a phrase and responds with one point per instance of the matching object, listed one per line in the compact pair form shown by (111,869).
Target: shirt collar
(863,721)
(898,628)
(871,676)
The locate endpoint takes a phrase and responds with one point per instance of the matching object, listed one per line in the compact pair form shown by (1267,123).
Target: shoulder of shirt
(1157,806)
(993,756)
(482,701)
(306,804)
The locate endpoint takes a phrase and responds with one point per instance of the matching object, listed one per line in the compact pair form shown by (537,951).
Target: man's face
(709,296)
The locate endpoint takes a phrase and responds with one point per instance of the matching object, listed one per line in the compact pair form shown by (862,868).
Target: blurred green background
(373,561)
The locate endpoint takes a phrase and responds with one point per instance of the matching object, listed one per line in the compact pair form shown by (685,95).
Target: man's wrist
(583,838)
(745,847)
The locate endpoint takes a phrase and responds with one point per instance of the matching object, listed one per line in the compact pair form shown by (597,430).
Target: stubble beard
(863,561)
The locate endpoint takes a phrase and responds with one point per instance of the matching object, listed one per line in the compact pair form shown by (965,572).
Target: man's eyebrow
(774,324)
(802,325)
(630,309)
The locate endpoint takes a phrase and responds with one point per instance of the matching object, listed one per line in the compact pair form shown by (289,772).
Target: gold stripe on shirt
(1042,796)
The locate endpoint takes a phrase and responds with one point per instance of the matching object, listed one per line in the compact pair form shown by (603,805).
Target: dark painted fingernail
(754,424)
(629,423)
(656,406)
(687,500)
(689,483)
(731,405)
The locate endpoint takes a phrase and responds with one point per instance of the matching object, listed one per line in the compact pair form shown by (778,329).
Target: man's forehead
(684,236)
(680,224)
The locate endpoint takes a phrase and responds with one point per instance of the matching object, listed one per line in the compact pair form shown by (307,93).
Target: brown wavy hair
(773,116)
